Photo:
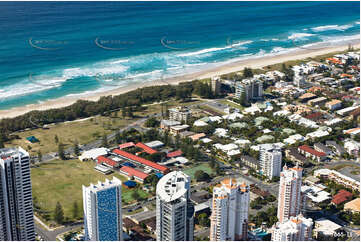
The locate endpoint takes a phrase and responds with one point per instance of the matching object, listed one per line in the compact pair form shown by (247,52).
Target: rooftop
(308,149)
(11,152)
(353,205)
(146,148)
(134,172)
(173,186)
(104,185)
(140,160)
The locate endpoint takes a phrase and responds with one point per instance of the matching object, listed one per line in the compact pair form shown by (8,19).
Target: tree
(135,195)
(40,156)
(59,213)
(151,122)
(61,151)
(75,210)
(201,176)
(56,139)
(247,72)
(130,112)
(118,138)
(203,220)
(1,142)
(76,148)
(105,141)
(124,112)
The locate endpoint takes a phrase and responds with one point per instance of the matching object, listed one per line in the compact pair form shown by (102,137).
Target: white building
(296,228)
(326,228)
(249,89)
(16,202)
(175,211)
(93,154)
(289,196)
(229,218)
(352,147)
(179,114)
(270,162)
(102,205)
(293,139)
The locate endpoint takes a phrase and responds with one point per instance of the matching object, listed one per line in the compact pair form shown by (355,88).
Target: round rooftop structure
(173,186)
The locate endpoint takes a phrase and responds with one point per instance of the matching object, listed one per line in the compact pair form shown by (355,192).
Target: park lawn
(83,131)
(192,170)
(62,181)
(231,104)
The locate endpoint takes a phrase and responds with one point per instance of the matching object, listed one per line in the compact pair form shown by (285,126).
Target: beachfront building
(216,85)
(270,162)
(174,209)
(102,204)
(229,219)
(289,196)
(16,201)
(249,89)
(181,114)
(296,228)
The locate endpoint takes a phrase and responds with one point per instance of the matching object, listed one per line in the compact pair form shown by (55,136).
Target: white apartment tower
(230,205)
(16,202)
(175,211)
(294,229)
(289,196)
(249,89)
(181,114)
(271,162)
(102,204)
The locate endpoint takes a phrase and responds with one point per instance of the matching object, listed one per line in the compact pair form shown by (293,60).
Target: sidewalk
(46,226)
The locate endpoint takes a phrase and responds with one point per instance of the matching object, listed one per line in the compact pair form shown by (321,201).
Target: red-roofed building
(106,161)
(347,75)
(314,116)
(141,160)
(126,145)
(174,154)
(341,197)
(313,154)
(133,173)
(348,98)
(146,148)
(333,61)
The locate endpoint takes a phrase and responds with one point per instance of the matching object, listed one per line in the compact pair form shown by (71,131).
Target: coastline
(252,62)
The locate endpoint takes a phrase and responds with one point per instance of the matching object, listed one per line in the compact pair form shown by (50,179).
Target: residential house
(313,154)
(334,104)
(338,149)
(293,155)
(250,162)
(322,148)
(341,197)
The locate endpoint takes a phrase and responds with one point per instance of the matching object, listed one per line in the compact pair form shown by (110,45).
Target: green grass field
(192,170)
(68,132)
(62,181)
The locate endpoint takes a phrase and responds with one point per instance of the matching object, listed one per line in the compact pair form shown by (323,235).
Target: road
(51,235)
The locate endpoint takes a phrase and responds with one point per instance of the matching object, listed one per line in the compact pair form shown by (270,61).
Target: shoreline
(251,62)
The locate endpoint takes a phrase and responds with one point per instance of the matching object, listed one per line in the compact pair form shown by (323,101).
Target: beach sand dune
(256,62)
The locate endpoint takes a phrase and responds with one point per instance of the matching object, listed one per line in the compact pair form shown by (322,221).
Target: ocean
(50,50)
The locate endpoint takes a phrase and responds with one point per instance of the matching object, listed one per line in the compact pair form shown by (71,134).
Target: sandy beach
(255,62)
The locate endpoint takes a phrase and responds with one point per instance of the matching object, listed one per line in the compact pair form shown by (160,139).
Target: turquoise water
(56,49)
